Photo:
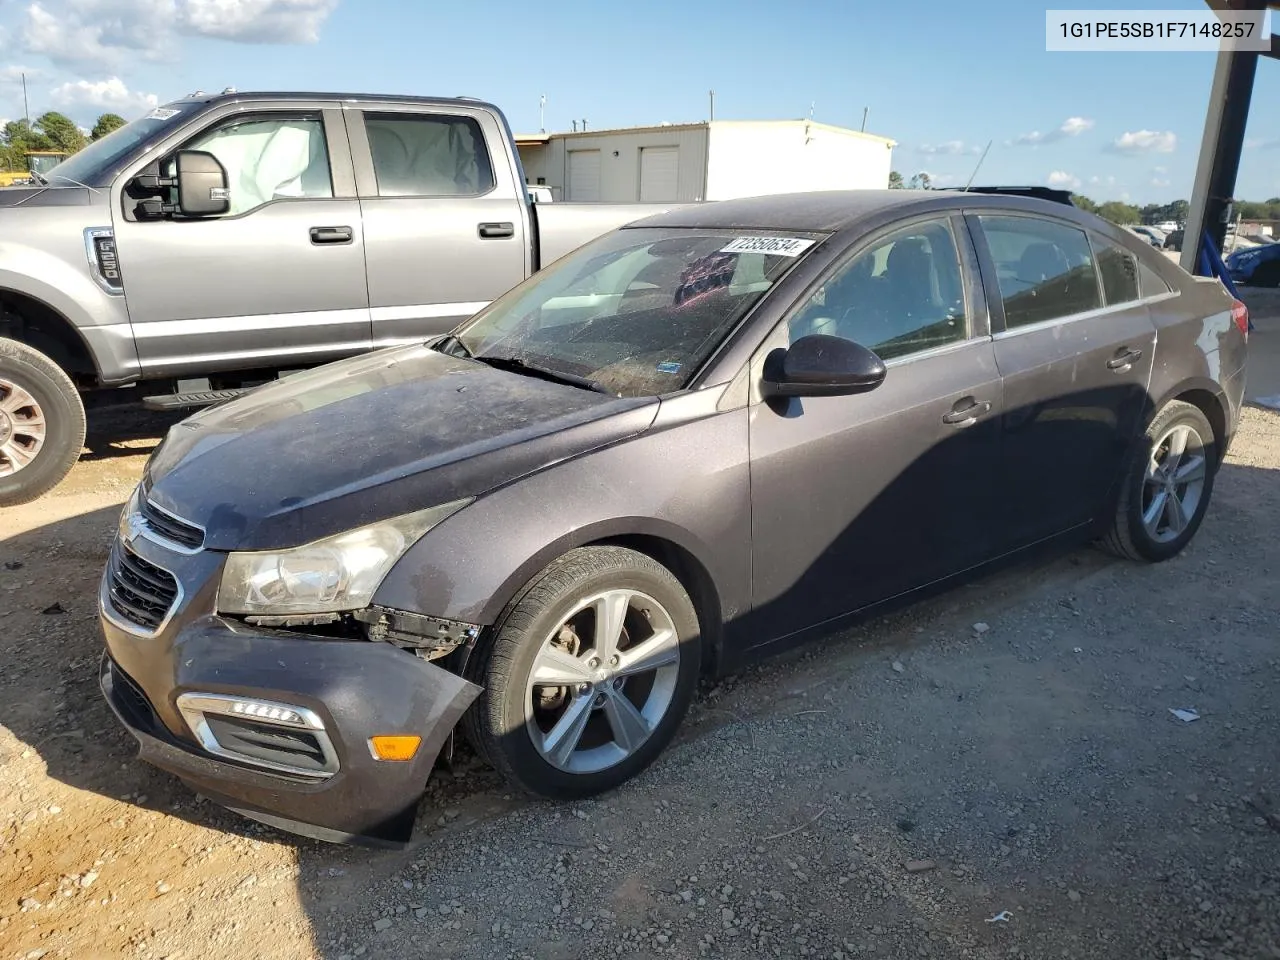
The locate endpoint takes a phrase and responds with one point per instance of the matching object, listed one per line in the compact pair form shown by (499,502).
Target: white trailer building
(715,160)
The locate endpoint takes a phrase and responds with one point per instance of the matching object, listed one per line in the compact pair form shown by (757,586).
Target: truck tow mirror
(202,184)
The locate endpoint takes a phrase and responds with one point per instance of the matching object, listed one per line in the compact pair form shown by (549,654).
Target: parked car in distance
(1168,226)
(1153,236)
(1256,266)
(226,238)
(693,442)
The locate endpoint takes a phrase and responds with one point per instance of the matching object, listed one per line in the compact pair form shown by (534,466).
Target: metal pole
(542,113)
(26,110)
(1220,149)
(712,95)
(865,111)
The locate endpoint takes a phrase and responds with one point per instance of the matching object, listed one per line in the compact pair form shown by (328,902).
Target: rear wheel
(41,424)
(1167,486)
(588,674)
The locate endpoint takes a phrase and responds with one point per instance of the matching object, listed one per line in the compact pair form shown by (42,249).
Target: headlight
(130,507)
(337,573)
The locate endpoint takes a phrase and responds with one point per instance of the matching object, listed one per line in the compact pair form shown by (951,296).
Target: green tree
(107,123)
(895,180)
(63,134)
(921,181)
(1084,203)
(15,140)
(1118,212)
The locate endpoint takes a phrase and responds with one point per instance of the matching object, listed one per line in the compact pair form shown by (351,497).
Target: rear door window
(1119,270)
(428,155)
(1045,270)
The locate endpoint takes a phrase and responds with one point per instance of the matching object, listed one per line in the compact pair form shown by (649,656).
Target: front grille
(140,592)
(170,527)
(298,750)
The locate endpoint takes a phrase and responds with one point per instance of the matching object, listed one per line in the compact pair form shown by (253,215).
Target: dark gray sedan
(691,442)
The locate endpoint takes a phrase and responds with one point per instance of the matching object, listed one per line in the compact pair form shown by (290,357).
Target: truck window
(428,155)
(269,159)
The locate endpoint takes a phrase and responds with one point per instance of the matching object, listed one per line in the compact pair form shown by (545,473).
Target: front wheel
(587,675)
(1167,486)
(41,424)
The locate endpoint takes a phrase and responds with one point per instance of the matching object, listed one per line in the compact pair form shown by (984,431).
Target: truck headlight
(338,573)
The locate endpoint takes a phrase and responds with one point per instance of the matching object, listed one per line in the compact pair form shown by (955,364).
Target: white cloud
(1145,141)
(1063,180)
(110,95)
(1107,181)
(949,148)
(16,73)
(1070,127)
(255,21)
(1157,182)
(88,34)
(1159,169)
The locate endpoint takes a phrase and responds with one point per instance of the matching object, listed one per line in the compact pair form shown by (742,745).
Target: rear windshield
(639,310)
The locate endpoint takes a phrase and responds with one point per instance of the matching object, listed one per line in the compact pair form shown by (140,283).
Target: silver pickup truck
(224,239)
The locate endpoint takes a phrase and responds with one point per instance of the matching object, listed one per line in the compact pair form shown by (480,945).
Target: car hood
(368,438)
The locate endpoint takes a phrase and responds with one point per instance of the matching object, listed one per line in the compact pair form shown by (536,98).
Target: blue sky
(940,78)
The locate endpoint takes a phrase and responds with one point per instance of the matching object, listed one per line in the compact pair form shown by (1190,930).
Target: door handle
(963,415)
(497,231)
(331,234)
(1123,360)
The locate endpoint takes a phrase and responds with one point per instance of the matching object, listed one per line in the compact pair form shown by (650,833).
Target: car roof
(836,210)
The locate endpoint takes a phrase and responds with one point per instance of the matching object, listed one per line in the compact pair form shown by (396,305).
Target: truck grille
(166,525)
(140,592)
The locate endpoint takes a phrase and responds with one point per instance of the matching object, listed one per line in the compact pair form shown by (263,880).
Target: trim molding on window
(1085,315)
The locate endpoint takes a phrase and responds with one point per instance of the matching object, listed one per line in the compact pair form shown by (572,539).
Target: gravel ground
(993,773)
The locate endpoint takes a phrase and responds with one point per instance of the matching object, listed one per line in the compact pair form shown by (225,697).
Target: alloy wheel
(1173,486)
(22,428)
(602,681)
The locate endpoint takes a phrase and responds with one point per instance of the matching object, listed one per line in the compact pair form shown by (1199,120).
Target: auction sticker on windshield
(774,246)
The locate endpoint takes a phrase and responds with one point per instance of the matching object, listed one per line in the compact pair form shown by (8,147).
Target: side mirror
(821,366)
(202,184)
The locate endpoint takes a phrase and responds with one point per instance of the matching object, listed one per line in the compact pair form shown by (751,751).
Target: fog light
(394,747)
(266,711)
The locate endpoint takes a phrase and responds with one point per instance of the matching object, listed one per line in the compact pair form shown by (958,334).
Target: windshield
(637,311)
(98,163)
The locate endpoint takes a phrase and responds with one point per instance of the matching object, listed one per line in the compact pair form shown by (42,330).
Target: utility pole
(584,124)
(712,95)
(865,111)
(542,113)
(26,110)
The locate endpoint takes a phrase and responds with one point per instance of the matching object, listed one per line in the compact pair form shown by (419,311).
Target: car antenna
(975,169)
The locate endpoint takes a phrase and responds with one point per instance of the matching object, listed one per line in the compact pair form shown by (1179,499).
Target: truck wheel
(587,674)
(41,424)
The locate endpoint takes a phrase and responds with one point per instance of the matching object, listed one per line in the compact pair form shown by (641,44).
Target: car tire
(551,627)
(41,424)
(1147,526)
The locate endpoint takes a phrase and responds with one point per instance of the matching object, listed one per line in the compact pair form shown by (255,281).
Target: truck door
(279,278)
(445,217)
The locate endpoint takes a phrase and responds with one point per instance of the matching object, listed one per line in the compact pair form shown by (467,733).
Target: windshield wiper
(516,365)
(63,176)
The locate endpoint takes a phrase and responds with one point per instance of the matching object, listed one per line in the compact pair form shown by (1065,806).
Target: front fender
(687,483)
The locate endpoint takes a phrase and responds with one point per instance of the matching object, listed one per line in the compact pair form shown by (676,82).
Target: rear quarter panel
(1198,347)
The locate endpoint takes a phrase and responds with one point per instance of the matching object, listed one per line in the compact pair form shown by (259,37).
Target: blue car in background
(1258,266)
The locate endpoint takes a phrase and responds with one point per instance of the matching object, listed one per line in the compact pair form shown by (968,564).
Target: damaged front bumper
(278,727)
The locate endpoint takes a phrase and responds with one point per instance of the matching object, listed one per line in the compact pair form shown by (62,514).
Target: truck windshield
(638,311)
(98,163)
